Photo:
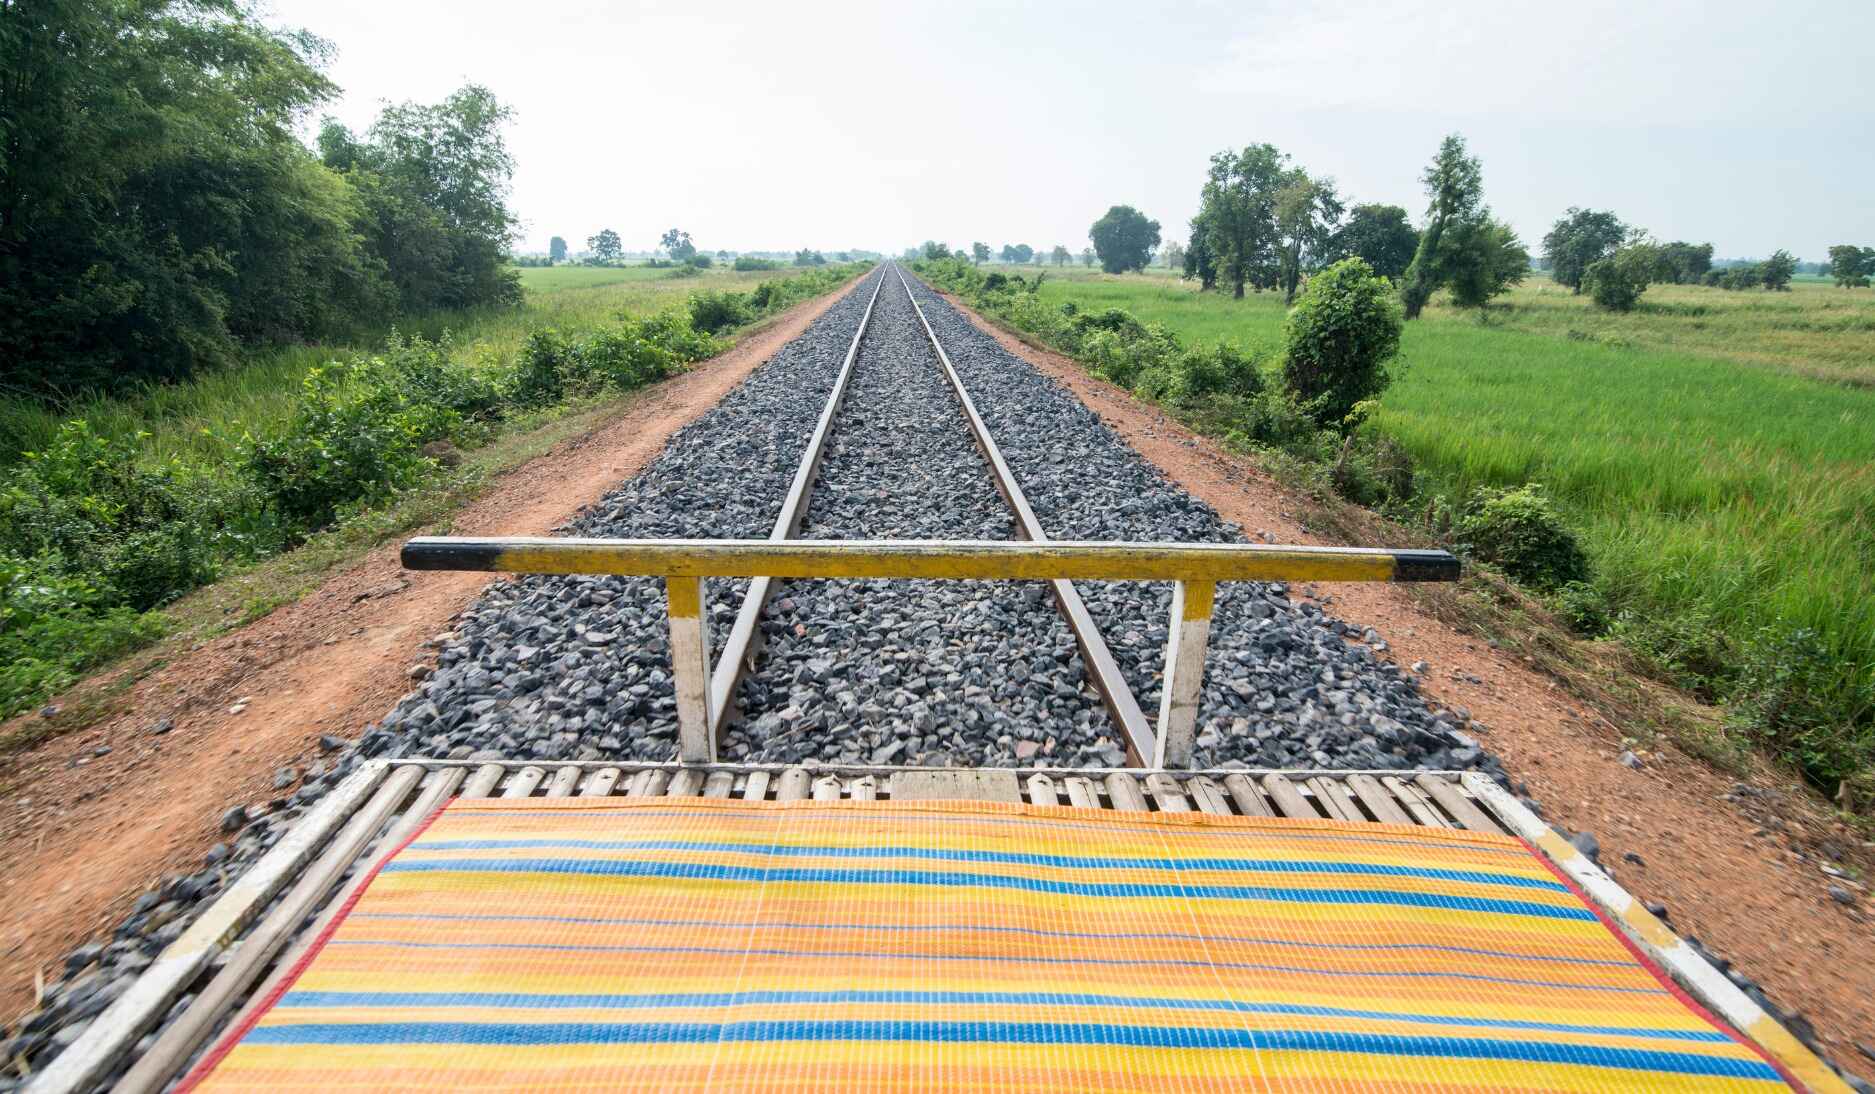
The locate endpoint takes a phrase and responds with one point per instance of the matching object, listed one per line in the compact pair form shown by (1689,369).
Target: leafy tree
(1851,265)
(1378,234)
(1060,255)
(1306,213)
(434,181)
(1485,258)
(1682,263)
(1338,340)
(1087,256)
(1173,255)
(936,250)
(1021,254)
(979,253)
(1617,282)
(1454,184)
(1579,239)
(805,257)
(1777,270)
(1124,239)
(1199,261)
(677,244)
(556,250)
(1237,212)
(606,246)
(156,208)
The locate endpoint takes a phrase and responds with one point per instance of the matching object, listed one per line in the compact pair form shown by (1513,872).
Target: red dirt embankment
(79,843)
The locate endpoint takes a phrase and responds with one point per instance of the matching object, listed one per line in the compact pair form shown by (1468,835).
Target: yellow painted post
(690,669)
(1190,632)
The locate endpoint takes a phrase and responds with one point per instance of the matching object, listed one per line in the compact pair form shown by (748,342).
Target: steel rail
(1102,670)
(744,641)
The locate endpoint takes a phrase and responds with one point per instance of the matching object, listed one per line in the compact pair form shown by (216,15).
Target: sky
(772,126)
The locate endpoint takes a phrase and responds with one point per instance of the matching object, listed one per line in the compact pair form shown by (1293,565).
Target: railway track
(882,491)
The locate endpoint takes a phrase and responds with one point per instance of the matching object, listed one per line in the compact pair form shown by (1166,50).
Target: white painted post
(1190,631)
(690,669)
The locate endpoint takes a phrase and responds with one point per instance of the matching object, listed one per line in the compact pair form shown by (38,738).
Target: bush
(1790,696)
(746,263)
(1617,282)
(89,508)
(539,375)
(1520,532)
(1338,339)
(700,261)
(54,626)
(353,439)
(1193,375)
(1583,607)
(713,312)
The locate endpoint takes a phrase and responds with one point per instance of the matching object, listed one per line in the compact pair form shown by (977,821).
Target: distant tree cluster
(158,211)
(1773,273)
(1851,266)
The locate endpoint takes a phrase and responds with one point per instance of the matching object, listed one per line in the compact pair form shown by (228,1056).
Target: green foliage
(1775,272)
(1580,239)
(1793,698)
(1237,215)
(1851,265)
(606,246)
(556,250)
(806,257)
(1617,282)
(746,263)
(1454,184)
(54,626)
(979,252)
(712,312)
(1520,532)
(1307,210)
(1338,340)
(1124,238)
(1483,259)
(1682,263)
(677,244)
(1379,234)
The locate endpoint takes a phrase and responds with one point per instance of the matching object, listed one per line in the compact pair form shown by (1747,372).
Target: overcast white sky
(765,125)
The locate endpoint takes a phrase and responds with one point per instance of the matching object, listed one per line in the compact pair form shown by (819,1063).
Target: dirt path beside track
(1676,831)
(93,818)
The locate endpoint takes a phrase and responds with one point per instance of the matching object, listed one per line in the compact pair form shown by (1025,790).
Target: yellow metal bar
(972,560)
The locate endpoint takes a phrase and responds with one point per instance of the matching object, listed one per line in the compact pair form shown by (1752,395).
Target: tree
(980,253)
(605,247)
(1173,255)
(1237,211)
(1851,265)
(1617,282)
(556,250)
(1124,239)
(1060,255)
(1776,271)
(1338,340)
(936,250)
(1579,239)
(1454,184)
(1199,261)
(677,244)
(1380,235)
(1087,256)
(1021,254)
(1682,263)
(1485,259)
(805,257)
(1307,211)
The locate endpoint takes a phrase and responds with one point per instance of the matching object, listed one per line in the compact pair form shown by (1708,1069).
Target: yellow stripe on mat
(682,944)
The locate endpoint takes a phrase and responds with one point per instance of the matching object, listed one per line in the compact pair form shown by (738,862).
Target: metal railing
(683,564)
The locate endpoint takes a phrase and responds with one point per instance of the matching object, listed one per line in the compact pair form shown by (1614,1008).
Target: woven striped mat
(667,944)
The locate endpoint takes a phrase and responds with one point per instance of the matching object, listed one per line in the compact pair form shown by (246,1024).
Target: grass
(1715,449)
(201,419)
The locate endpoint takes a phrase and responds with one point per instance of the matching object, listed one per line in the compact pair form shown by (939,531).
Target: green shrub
(54,626)
(1338,339)
(714,312)
(354,439)
(1583,607)
(540,371)
(431,373)
(1617,282)
(137,534)
(1792,697)
(747,263)
(1193,375)
(1520,532)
